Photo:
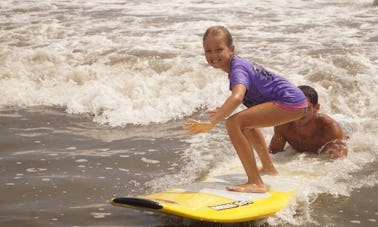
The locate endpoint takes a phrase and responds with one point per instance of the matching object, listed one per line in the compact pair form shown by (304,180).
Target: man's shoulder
(329,126)
(325,120)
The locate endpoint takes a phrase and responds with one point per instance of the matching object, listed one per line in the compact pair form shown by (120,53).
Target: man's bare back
(313,133)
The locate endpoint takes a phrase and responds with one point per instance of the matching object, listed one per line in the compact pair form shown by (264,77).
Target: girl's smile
(217,53)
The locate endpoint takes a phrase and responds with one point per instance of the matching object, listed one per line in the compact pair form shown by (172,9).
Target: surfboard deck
(210,201)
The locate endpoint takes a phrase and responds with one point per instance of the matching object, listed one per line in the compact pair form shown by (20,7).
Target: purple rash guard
(264,86)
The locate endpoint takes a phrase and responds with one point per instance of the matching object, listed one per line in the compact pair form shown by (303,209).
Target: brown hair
(310,93)
(219,30)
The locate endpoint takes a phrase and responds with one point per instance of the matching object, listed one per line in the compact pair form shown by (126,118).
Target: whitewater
(115,80)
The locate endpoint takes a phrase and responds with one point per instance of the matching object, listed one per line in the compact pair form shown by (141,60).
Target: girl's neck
(228,69)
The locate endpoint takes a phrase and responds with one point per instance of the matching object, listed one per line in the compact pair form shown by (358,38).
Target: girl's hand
(193,126)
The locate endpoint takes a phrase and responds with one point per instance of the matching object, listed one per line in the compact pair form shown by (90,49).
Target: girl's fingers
(193,126)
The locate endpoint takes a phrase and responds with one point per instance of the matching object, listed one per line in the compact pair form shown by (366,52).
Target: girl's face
(217,53)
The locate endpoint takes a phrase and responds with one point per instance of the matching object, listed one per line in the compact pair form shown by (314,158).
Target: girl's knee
(235,121)
(251,131)
(231,122)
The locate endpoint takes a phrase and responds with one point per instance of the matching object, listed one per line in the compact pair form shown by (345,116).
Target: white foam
(98,215)
(142,73)
(147,66)
(150,161)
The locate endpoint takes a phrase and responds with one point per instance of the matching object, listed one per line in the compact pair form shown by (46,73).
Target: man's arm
(278,141)
(336,147)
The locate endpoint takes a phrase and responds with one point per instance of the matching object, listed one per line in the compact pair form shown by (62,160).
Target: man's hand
(336,149)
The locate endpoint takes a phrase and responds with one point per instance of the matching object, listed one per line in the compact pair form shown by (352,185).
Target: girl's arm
(231,103)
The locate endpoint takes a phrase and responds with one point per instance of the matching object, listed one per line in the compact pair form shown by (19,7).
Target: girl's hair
(219,30)
(310,93)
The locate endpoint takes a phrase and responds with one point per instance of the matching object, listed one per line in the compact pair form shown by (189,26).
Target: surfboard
(209,200)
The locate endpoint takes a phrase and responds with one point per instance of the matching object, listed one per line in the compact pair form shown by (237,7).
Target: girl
(271,100)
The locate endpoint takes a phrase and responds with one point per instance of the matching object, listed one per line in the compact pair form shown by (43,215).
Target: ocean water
(93,96)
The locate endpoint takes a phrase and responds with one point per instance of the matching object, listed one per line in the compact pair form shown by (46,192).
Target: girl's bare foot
(268,171)
(251,188)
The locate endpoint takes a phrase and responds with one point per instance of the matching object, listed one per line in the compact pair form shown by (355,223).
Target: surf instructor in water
(313,133)
(270,100)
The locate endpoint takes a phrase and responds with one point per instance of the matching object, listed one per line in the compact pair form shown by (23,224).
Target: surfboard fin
(136,202)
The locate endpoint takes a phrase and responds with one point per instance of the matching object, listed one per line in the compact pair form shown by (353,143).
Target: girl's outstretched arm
(231,103)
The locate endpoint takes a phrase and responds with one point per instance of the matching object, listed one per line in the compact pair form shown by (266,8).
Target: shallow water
(60,170)
(94,95)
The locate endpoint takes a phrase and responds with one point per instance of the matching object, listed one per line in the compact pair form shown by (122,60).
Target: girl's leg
(256,139)
(263,115)
(247,158)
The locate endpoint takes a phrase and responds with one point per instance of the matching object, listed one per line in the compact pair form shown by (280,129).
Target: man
(313,133)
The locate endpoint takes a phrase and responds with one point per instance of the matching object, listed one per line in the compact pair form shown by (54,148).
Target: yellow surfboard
(210,201)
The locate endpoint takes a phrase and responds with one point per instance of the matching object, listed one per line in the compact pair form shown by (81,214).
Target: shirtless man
(313,133)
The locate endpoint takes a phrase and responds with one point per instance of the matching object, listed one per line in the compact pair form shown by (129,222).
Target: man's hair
(310,93)
(219,30)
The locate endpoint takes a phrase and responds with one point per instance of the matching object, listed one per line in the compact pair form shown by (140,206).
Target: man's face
(309,115)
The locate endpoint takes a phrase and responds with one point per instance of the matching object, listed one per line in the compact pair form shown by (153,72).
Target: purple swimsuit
(264,86)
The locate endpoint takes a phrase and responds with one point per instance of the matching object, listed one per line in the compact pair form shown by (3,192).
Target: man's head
(313,105)
(310,93)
